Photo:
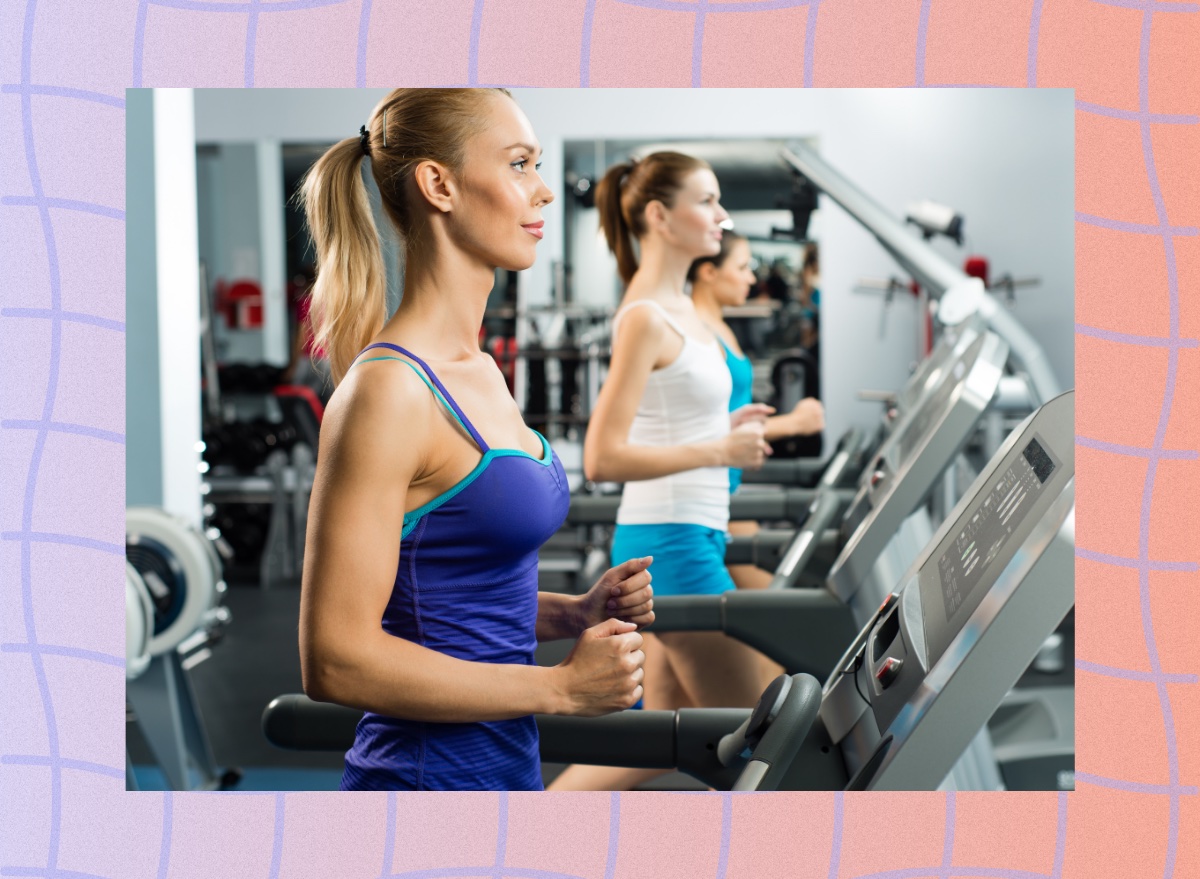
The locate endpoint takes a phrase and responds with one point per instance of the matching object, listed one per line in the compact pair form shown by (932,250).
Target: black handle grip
(298,723)
(771,759)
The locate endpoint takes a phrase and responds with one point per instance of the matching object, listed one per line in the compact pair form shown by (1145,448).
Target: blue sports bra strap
(466,422)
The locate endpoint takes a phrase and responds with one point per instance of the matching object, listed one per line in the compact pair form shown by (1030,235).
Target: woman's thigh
(714,670)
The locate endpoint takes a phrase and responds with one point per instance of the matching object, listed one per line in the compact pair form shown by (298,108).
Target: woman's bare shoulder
(376,403)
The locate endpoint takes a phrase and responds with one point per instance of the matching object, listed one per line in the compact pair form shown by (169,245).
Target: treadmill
(912,692)
(806,629)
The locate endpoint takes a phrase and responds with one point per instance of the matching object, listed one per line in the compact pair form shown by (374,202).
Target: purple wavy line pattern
(65,204)
(703,6)
(1138,228)
(501,835)
(56,91)
(66,317)
(27,90)
(1060,837)
(614,835)
(835,848)
(164,849)
(1132,675)
(810,41)
(698,43)
(1168,400)
(71,652)
(1136,115)
(1136,451)
(1123,562)
(923,872)
(922,37)
(1131,339)
(39,669)
(1150,5)
(1035,26)
(78,765)
(28,537)
(1170,790)
(364,30)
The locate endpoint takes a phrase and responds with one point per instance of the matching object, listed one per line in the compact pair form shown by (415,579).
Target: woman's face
(501,193)
(732,280)
(693,222)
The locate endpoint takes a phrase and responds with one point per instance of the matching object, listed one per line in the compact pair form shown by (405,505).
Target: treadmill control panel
(981,538)
(987,536)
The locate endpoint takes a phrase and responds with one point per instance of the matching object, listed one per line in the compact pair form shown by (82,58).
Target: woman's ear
(435,184)
(706,272)
(655,214)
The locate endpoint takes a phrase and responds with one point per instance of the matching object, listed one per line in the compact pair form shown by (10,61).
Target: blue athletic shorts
(688,559)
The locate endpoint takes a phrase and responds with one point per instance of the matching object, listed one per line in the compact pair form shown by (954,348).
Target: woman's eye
(520,164)
(538,166)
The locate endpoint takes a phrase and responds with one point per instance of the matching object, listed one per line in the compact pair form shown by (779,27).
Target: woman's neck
(662,268)
(443,306)
(707,307)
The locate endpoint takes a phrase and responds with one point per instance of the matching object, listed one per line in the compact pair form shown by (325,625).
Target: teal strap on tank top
(729,351)
(428,384)
(412,518)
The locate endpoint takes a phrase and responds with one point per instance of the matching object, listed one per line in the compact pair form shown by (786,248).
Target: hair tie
(365,140)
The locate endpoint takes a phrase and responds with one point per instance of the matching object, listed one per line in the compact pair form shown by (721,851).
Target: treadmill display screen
(1038,460)
(966,560)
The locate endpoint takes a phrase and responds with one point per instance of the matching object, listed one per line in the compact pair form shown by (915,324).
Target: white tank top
(687,401)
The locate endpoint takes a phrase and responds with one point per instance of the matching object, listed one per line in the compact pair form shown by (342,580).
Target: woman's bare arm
(374,440)
(608,456)
(806,418)
(370,453)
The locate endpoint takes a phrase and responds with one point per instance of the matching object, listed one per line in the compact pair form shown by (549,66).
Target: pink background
(64,68)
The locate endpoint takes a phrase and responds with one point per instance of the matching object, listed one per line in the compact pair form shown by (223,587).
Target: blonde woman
(419,601)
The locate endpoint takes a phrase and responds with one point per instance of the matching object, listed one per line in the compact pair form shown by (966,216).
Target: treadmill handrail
(823,511)
(963,294)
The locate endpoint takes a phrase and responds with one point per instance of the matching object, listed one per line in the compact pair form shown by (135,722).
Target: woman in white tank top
(662,426)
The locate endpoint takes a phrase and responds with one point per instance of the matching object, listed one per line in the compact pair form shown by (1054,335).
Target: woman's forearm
(629,463)
(779,427)
(394,677)
(559,616)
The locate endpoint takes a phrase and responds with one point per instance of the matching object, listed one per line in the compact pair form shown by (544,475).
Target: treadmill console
(925,378)
(982,538)
(987,536)
(969,615)
(907,466)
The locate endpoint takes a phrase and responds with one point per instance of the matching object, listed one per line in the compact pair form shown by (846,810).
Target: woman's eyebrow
(527,147)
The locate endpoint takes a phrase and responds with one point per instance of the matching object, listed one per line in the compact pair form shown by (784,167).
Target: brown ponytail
(625,191)
(349,295)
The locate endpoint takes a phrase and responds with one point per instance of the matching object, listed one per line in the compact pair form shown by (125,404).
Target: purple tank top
(466,586)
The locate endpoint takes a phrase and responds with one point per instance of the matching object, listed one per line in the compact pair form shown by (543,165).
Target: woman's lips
(534,229)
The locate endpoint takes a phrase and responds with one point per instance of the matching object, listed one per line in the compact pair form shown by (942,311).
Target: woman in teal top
(718,282)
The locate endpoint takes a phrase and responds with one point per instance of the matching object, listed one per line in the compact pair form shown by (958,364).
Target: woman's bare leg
(716,671)
(753,577)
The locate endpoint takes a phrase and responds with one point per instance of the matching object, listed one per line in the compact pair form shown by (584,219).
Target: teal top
(742,372)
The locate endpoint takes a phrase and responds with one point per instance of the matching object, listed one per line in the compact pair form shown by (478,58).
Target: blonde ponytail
(349,305)
(349,297)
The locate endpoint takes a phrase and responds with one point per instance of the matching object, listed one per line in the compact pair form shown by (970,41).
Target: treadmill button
(887,672)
